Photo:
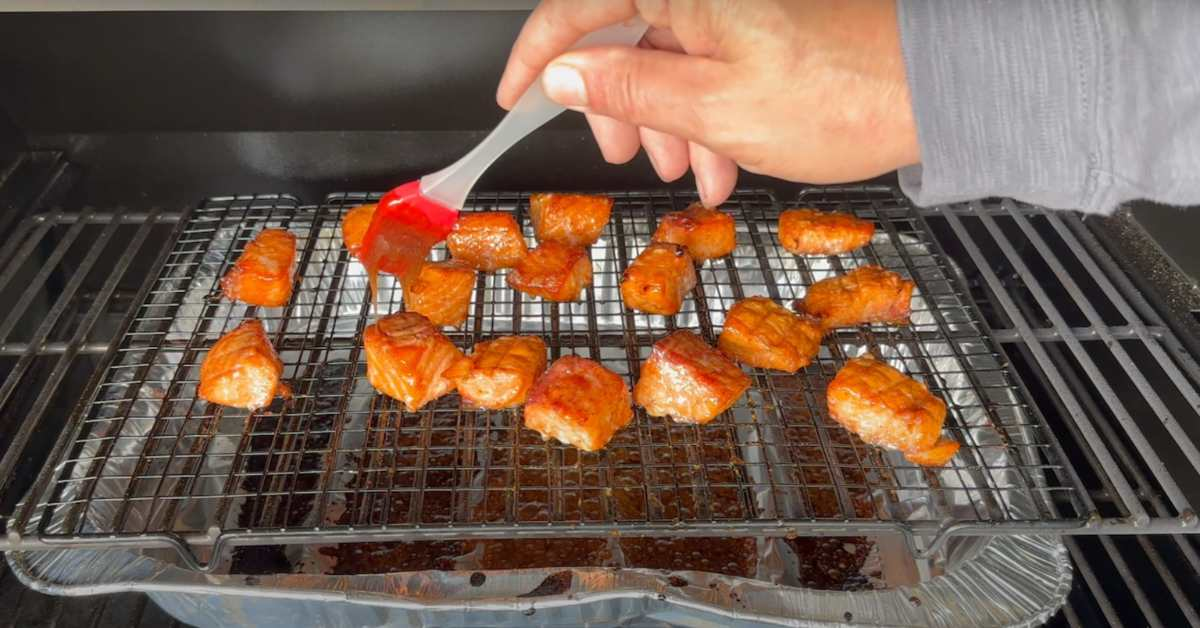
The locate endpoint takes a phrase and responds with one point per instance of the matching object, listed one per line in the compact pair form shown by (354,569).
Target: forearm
(1070,104)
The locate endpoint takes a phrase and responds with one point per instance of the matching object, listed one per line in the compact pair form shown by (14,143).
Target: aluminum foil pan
(1011,581)
(1000,581)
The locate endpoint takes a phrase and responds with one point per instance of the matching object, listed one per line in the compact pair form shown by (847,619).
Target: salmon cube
(658,279)
(868,294)
(441,292)
(812,232)
(762,333)
(578,402)
(264,272)
(888,409)
(242,369)
(688,380)
(410,360)
(499,373)
(354,227)
(707,233)
(553,271)
(488,241)
(575,219)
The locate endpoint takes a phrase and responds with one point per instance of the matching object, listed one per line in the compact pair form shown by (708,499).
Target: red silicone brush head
(406,225)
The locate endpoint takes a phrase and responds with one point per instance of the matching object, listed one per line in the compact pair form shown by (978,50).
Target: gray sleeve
(1074,104)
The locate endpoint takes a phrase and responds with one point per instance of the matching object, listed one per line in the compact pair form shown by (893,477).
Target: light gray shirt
(1074,104)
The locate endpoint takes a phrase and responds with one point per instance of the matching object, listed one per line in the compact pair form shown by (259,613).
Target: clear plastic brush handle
(451,185)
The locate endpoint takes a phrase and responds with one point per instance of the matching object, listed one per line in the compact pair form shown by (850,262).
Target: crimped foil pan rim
(959,597)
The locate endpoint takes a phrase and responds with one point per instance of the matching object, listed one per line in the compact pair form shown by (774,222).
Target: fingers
(548,31)
(661,39)
(618,141)
(668,154)
(665,91)
(716,176)
(671,156)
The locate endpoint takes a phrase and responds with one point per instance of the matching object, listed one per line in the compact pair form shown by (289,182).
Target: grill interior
(1141,578)
(148,458)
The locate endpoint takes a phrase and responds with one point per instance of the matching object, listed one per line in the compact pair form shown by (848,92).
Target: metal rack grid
(1117,385)
(144,464)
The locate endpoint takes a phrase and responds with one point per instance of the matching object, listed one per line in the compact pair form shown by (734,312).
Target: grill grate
(146,464)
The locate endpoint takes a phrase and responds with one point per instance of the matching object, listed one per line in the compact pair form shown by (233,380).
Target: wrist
(904,141)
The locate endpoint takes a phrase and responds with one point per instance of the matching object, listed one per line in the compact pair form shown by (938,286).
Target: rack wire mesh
(1136,580)
(145,463)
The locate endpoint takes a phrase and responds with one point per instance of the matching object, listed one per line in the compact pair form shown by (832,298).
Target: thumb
(665,91)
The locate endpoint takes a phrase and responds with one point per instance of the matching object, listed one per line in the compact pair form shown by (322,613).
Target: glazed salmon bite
(707,233)
(578,402)
(575,219)
(812,232)
(441,292)
(488,241)
(658,279)
(888,409)
(762,333)
(499,373)
(410,360)
(264,272)
(688,380)
(242,369)
(553,271)
(868,294)
(354,227)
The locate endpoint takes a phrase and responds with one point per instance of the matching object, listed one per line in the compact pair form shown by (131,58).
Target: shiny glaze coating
(658,279)
(242,370)
(707,233)
(812,232)
(488,241)
(553,271)
(264,272)
(408,359)
(688,380)
(762,333)
(578,402)
(868,294)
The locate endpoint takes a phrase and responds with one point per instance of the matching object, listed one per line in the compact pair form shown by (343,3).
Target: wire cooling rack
(145,463)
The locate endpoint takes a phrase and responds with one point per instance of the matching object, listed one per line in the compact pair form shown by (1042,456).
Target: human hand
(810,91)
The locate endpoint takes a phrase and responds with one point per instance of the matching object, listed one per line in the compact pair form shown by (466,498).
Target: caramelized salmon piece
(578,402)
(889,409)
(488,241)
(658,279)
(499,373)
(707,233)
(354,227)
(812,232)
(937,456)
(264,272)
(408,359)
(441,292)
(553,271)
(575,219)
(868,294)
(688,380)
(762,333)
(242,369)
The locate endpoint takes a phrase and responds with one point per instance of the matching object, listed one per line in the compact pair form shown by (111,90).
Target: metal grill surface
(145,463)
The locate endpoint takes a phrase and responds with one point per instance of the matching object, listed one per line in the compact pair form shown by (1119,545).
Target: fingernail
(564,85)
(702,186)
(654,164)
